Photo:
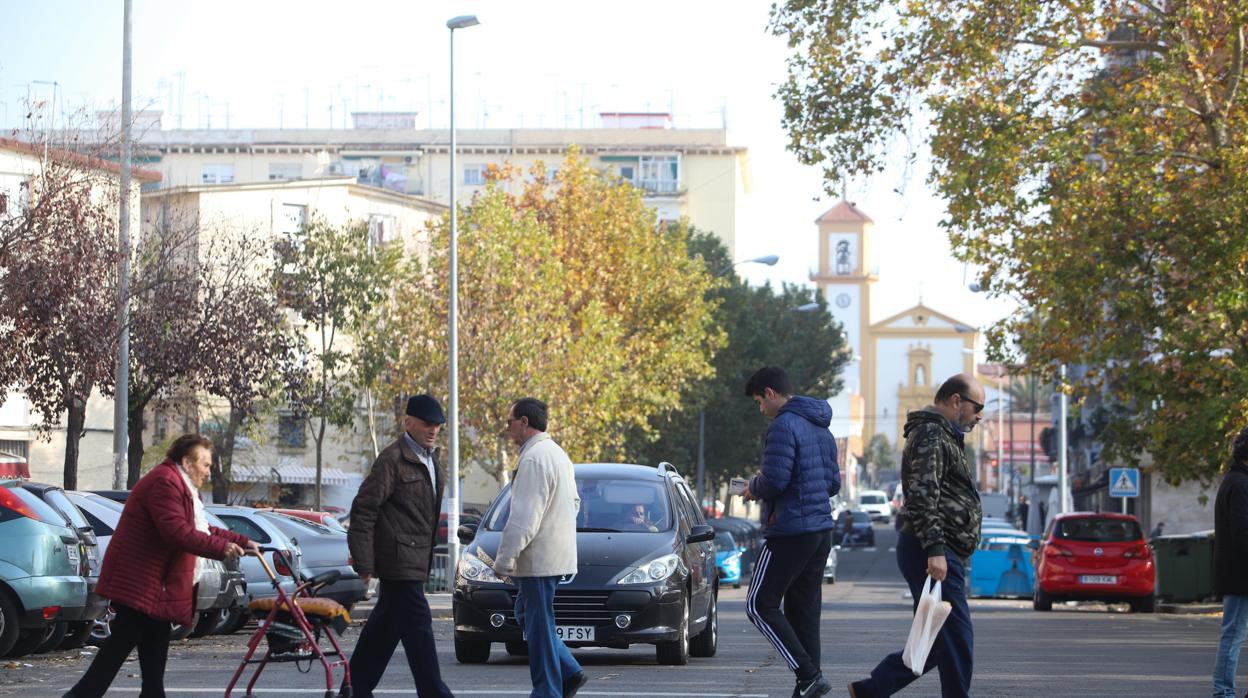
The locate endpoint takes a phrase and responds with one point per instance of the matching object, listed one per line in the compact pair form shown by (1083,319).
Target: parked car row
(52,543)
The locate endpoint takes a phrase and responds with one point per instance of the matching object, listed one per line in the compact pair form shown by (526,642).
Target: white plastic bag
(928,619)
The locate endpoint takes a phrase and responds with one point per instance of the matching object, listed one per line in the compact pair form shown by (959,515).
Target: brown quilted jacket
(394,517)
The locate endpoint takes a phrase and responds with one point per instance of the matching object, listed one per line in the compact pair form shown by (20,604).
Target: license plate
(1098,579)
(72,553)
(572,633)
(575,633)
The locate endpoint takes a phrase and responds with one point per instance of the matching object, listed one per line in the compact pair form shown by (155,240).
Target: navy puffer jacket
(799,473)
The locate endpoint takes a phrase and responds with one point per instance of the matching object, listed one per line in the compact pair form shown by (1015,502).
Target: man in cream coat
(538,546)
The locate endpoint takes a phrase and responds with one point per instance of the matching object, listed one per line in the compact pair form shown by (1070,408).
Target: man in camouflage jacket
(941,527)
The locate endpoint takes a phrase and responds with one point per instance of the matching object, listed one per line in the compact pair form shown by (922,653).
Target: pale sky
(529,64)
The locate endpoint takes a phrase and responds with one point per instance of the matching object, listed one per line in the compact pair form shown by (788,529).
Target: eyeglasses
(979,406)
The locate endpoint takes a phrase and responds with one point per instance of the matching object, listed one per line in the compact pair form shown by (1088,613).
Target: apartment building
(684,173)
(278,461)
(28,446)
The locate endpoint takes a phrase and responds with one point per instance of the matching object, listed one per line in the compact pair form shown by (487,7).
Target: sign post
(1124,483)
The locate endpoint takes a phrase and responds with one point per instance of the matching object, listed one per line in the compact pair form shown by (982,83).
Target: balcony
(663,187)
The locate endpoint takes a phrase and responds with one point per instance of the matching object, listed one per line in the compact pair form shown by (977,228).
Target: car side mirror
(700,534)
(466,533)
(1033,544)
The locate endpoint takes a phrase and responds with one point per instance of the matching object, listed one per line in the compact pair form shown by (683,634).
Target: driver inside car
(636,518)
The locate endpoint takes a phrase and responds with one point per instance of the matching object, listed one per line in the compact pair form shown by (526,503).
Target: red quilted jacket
(150,563)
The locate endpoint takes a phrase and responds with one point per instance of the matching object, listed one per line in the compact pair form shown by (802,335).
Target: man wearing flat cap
(394,523)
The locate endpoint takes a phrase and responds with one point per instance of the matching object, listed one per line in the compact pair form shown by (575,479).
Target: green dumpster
(1184,567)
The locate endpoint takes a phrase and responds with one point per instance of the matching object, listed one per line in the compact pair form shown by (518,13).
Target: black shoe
(813,688)
(574,684)
(858,689)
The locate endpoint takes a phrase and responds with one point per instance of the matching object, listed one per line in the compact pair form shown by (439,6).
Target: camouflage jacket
(942,502)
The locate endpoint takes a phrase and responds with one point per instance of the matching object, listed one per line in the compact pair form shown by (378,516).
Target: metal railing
(439,580)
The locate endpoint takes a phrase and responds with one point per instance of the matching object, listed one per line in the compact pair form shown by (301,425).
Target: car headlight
(474,570)
(732,559)
(656,570)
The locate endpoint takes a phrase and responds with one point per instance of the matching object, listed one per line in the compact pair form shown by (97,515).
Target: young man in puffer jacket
(797,481)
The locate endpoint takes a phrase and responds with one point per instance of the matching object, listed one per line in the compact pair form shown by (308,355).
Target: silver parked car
(248,522)
(323,549)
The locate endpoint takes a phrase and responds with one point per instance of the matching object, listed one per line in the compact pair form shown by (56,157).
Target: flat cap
(425,408)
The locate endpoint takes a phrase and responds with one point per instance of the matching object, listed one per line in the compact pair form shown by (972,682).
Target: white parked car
(829,567)
(875,502)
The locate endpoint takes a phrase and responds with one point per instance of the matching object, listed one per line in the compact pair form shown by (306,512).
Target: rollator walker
(293,631)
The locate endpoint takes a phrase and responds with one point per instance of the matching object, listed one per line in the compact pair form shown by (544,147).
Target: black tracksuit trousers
(790,569)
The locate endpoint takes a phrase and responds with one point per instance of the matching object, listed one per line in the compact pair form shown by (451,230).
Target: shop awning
(13,466)
(290,473)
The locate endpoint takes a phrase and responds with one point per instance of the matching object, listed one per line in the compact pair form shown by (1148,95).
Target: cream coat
(539,539)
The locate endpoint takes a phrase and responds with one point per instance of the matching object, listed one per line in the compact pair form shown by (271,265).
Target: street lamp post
(770,260)
(452,499)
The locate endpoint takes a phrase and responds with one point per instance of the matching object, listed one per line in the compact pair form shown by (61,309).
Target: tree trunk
(74,421)
(223,463)
(134,451)
(134,427)
(320,440)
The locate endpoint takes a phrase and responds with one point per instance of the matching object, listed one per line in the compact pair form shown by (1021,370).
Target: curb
(1189,608)
(439,607)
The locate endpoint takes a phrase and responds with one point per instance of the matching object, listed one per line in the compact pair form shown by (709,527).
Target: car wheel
(235,620)
(1148,604)
(472,651)
(54,639)
(8,623)
(77,636)
(28,640)
(676,653)
(101,628)
(178,631)
(1042,601)
(209,621)
(519,648)
(706,642)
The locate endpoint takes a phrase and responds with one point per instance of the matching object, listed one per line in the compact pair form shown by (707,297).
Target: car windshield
(724,541)
(1098,530)
(872,499)
(607,505)
(302,523)
(862,517)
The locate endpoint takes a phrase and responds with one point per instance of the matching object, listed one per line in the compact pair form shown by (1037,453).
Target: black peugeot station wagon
(645,573)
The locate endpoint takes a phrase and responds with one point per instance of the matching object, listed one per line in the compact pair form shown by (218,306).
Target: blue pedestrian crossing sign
(1124,482)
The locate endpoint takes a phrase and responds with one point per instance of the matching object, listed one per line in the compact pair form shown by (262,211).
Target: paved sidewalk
(439,605)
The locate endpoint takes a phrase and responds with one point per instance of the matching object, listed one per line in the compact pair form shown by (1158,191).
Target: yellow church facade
(898,362)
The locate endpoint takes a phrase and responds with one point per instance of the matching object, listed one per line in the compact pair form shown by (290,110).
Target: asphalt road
(1073,651)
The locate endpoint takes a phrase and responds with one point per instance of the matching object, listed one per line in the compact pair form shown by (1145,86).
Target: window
(245,527)
(290,432)
(628,173)
(99,527)
(660,173)
(4,204)
(605,503)
(217,173)
(15,448)
(474,175)
(279,171)
(381,230)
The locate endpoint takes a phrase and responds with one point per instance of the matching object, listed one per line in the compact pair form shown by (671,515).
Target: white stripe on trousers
(750,610)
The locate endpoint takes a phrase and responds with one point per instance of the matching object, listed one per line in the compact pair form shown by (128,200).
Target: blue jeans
(954,651)
(550,662)
(1234,627)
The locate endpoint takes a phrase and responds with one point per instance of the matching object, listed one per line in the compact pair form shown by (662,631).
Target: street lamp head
(806,308)
(462,22)
(770,260)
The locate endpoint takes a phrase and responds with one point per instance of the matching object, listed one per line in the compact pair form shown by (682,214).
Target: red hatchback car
(1094,557)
